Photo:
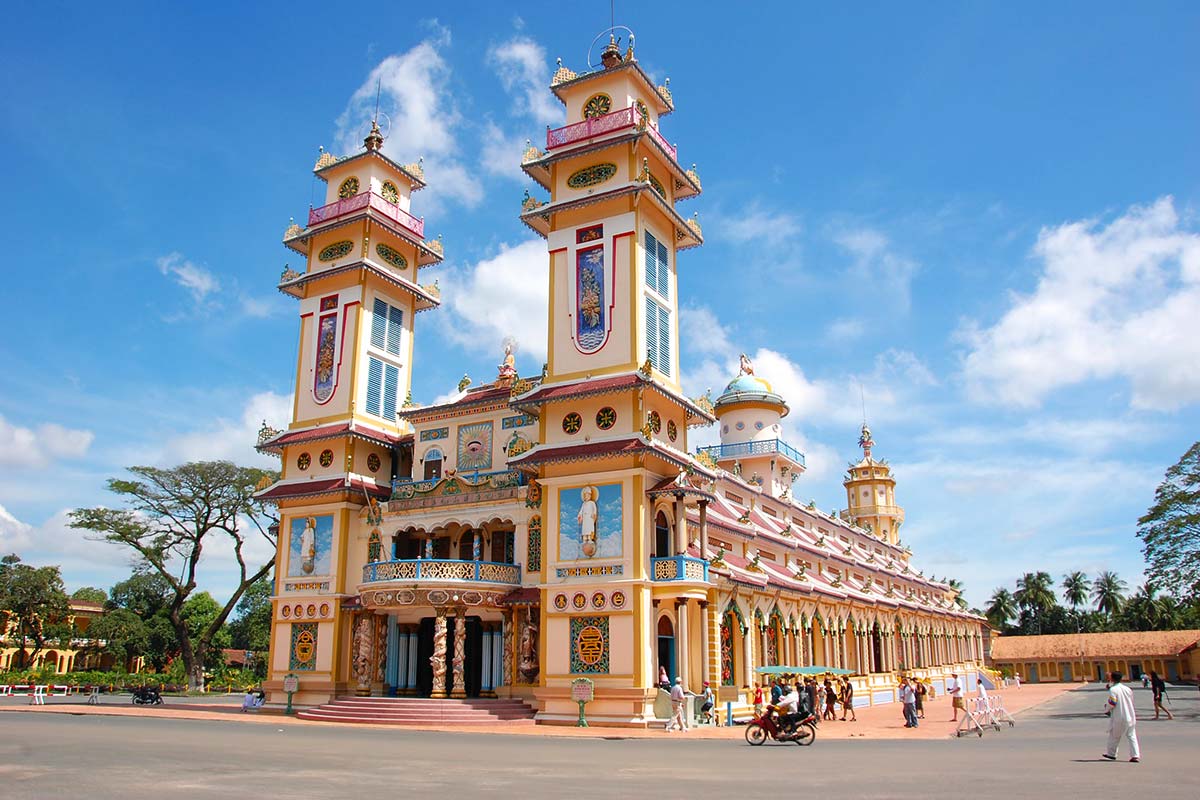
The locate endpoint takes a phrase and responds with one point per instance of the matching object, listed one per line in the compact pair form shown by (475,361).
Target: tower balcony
(758,447)
(373,202)
(678,568)
(441,571)
(613,122)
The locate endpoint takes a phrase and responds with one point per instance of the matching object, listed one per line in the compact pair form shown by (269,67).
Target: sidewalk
(879,722)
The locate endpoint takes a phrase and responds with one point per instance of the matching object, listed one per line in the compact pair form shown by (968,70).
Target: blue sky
(985,217)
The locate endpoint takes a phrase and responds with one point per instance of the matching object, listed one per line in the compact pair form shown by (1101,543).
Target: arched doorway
(666,646)
(662,536)
(876,649)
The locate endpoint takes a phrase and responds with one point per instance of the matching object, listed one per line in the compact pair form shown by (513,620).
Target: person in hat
(706,705)
(678,704)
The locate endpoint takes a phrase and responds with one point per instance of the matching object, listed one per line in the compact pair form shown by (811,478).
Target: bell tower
(871,493)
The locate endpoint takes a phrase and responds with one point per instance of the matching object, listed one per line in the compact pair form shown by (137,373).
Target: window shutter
(391,381)
(664,273)
(378,323)
(651,259)
(374,385)
(395,325)
(652,331)
(664,341)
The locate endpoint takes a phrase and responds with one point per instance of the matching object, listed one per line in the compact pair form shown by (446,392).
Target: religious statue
(361,664)
(464,382)
(308,546)
(587,518)
(507,371)
(528,664)
(745,367)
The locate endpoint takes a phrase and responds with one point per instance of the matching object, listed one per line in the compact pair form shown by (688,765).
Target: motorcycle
(147,696)
(802,731)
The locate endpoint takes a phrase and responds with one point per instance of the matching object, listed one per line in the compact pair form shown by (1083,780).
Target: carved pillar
(497,656)
(438,660)
(704,529)
(459,659)
(681,538)
(682,644)
(477,547)
(413,637)
(507,636)
(748,656)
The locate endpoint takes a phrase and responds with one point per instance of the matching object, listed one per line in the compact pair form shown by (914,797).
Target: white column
(486,677)
(682,644)
(411,671)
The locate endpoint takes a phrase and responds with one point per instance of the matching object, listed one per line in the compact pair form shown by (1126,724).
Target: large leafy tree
(1108,592)
(146,594)
(1147,610)
(124,633)
(173,516)
(1170,529)
(1075,589)
(956,586)
(251,629)
(35,602)
(1001,608)
(90,594)
(1035,596)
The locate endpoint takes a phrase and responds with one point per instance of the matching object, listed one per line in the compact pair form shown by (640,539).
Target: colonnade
(403,640)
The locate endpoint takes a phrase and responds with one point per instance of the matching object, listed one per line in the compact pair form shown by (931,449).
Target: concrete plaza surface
(1053,752)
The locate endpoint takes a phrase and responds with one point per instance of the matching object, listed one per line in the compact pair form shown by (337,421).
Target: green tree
(1075,589)
(125,635)
(956,586)
(1147,610)
(1108,593)
(146,594)
(1170,529)
(1001,608)
(251,629)
(90,594)
(36,604)
(1035,596)
(199,613)
(173,515)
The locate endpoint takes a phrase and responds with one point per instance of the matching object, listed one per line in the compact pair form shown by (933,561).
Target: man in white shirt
(1122,720)
(678,705)
(909,698)
(955,690)
(787,706)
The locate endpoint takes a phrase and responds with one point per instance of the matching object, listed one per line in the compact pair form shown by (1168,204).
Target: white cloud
(1112,301)
(876,266)
(233,440)
(415,92)
(760,225)
(501,153)
(197,280)
(26,447)
(505,295)
(84,560)
(845,330)
(524,70)
(261,307)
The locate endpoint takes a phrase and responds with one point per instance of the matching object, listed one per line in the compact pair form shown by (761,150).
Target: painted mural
(310,545)
(475,447)
(589,522)
(324,382)
(591,326)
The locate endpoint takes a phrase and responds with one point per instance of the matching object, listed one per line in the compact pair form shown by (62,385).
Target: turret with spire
(871,493)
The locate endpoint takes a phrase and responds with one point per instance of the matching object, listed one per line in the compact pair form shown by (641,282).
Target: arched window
(433,463)
(662,536)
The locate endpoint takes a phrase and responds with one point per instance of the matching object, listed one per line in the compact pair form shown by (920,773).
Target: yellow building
(81,652)
(1092,656)
(533,531)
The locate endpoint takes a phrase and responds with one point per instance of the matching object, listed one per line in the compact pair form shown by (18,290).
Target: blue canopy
(804,671)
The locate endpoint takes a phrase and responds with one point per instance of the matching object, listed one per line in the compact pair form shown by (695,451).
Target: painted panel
(474,447)
(310,546)
(519,421)
(590,522)
(303,653)
(325,377)
(589,645)
(593,295)
(434,434)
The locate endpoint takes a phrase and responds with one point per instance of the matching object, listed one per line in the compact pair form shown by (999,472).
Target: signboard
(582,690)
(291,684)
(729,694)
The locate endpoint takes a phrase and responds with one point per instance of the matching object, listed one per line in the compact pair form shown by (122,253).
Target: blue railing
(442,569)
(678,568)
(754,448)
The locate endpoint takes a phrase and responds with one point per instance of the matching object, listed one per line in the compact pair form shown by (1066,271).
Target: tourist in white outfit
(678,705)
(1122,721)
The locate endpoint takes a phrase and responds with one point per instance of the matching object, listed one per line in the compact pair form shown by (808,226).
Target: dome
(749,383)
(749,388)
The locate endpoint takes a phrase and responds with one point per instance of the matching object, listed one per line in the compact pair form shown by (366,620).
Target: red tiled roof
(320,432)
(611,448)
(1094,645)
(527,595)
(607,385)
(480,395)
(281,490)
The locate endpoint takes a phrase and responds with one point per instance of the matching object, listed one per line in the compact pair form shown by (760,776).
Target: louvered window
(386,323)
(383,387)
(658,270)
(658,336)
(374,385)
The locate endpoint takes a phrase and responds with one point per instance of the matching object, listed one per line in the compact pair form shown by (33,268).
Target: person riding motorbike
(787,708)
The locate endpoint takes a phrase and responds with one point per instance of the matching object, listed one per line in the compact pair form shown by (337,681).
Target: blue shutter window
(395,325)
(378,323)
(664,341)
(664,274)
(391,381)
(374,385)
(652,331)
(651,257)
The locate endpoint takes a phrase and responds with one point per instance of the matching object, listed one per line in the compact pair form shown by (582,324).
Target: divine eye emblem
(474,446)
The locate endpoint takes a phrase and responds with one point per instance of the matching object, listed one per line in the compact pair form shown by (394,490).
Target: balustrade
(602,125)
(375,202)
(442,570)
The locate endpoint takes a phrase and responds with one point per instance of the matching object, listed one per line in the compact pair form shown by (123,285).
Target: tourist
(848,701)
(678,704)
(776,692)
(707,704)
(955,690)
(919,691)
(830,701)
(1122,720)
(1145,680)
(1159,687)
(1017,678)
(814,708)
(909,700)
(663,681)
(758,700)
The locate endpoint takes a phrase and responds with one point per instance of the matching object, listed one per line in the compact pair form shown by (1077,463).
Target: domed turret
(871,493)
(749,413)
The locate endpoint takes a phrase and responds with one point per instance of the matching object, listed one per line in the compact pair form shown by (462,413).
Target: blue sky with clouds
(984,217)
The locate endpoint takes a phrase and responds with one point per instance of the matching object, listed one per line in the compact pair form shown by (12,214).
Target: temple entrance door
(666,647)
(424,651)
(876,650)
(472,660)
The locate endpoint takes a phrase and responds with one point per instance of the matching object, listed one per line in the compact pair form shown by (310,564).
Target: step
(422,711)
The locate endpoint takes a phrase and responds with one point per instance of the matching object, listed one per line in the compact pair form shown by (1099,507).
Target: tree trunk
(193,661)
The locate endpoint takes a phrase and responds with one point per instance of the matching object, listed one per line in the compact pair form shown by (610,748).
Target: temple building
(534,530)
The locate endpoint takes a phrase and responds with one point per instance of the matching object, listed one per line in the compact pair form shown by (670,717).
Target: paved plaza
(1053,752)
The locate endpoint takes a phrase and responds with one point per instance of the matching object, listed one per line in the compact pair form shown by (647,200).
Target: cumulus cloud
(1115,301)
(524,71)
(755,223)
(414,91)
(84,561)
(505,295)
(500,153)
(197,280)
(37,447)
(233,439)
(876,264)
(845,329)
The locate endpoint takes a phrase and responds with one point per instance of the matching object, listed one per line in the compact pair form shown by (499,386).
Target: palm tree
(1001,608)
(1107,591)
(1075,589)
(957,587)
(1035,595)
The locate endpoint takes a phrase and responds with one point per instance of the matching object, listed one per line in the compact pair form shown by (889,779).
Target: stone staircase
(421,711)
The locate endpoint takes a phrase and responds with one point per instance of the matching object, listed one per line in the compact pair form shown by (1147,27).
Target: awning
(804,671)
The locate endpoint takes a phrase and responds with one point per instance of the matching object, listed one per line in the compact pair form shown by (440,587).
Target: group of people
(820,698)
(913,692)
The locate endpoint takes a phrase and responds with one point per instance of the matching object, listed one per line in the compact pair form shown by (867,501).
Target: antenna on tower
(862,395)
(378,89)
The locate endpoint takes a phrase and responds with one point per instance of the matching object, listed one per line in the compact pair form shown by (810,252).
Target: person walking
(830,701)
(678,706)
(919,690)
(758,700)
(664,682)
(909,699)
(1122,720)
(1159,687)
(776,692)
(848,701)
(706,705)
(955,690)
(810,687)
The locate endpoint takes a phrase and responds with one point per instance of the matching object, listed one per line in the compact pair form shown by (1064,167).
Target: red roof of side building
(1094,645)
(283,490)
(608,385)
(474,398)
(320,432)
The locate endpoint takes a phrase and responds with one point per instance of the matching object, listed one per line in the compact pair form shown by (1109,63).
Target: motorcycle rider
(787,708)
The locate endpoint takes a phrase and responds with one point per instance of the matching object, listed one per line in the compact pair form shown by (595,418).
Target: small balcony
(376,203)
(759,447)
(613,122)
(442,570)
(678,568)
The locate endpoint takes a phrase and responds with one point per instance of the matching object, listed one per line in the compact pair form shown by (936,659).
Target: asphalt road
(1053,752)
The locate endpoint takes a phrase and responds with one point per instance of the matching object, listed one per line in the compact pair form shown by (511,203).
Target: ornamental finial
(374,140)
(865,441)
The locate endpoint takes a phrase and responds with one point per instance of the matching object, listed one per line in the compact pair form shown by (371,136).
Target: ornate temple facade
(534,530)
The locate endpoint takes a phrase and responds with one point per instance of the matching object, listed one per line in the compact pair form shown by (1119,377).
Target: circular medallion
(590,645)
(304,461)
(597,106)
(741,426)
(324,609)
(311,610)
(297,610)
(606,418)
(598,600)
(572,423)
(349,187)
(591,176)
(560,602)
(655,422)
(618,600)
(285,612)
(389,192)
(672,430)
(758,426)
(373,462)
(579,601)
(326,458)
